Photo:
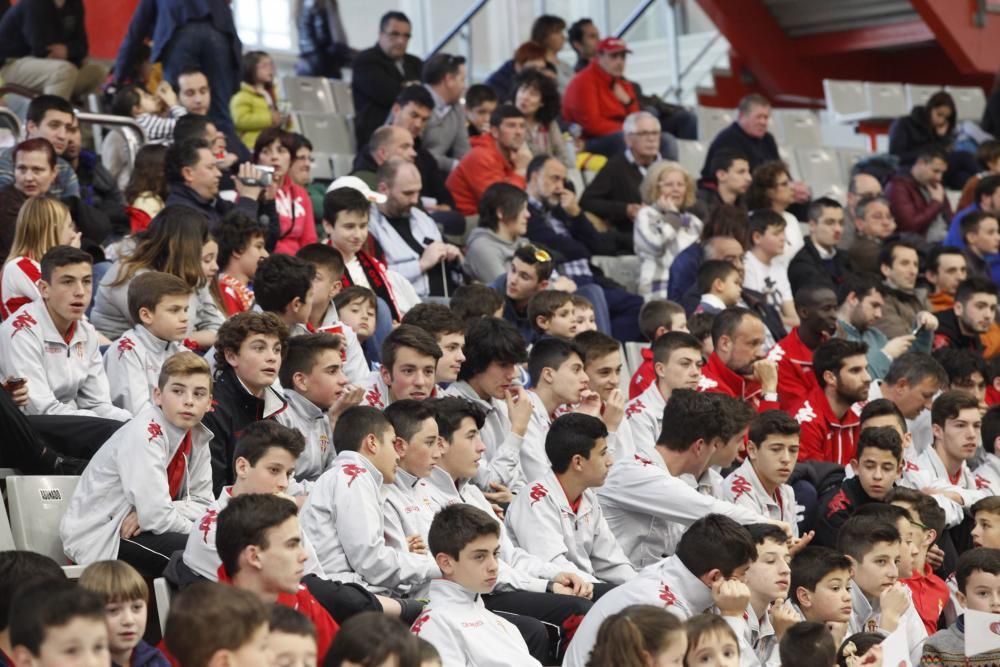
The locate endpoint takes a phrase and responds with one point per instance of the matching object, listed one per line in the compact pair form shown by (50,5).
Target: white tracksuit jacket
(501,462)
(409,509)
(668,584)
(466,633)
(64,378)
(866,618)
(200,554)
(130,471)
(344,520)
(989,471)
(647,508)
(758,644)
(519,570)
(314,424)
(132,364)
(645,421)
(742,487)
(541,522)
(19,285)
(928,471)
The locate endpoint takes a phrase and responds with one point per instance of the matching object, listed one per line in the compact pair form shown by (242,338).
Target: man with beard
(410,239)
(554,211)
(913,380)
(973,313)
(829,415)
(861,303)
(737,366)
(903,311)
(816,306)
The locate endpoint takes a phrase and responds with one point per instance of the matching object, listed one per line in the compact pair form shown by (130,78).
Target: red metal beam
(907,33)
(973,49)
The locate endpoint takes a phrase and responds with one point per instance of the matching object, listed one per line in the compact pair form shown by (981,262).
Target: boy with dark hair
(879,601)
(241,248)
(449,332)
(211,624)
(760,272)
(529,273)
(358,307)
(248,352)
(602,362)
(656,318)
(409,364)
(158,306)
(828,411)
(929,592)
(808,644)
(55,623)
(560,520)
(318,392)
(51,344)
(480,102)
(966,370)
(956,421)
(324,316)
(344,514)
(761,481)
(712,559)
(291,638)
(283,285)
(877,465)
(820,585)
(970,317)
(646,502)
(259,540)
(465,542)
(551,314)
(17,570)
(980,233)
(488,378)
(677,364)
(475,301)
(140,494)
(986,513)
(720,284)
(978,581)
(583,314)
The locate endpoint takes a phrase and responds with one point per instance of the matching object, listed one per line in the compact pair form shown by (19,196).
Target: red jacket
(644,375)
(307,605)
(590,101)
(482,166)
(930,594)
(826,436)
(718,378)
(913,212)
(795,374)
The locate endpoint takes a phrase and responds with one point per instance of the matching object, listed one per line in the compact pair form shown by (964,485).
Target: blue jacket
(684,271)
(954,238)
(146,655)
(160,19)
(879,361)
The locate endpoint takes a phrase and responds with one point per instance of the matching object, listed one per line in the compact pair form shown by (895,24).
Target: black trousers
(561,615)
(341,600)
(150,553)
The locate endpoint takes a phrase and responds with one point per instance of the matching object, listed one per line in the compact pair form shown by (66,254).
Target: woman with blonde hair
(664,226)
(42,223)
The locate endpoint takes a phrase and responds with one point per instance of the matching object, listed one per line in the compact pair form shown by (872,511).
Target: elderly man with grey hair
(613,195)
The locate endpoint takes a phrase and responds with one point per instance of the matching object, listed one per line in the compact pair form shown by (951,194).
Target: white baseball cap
(356,183)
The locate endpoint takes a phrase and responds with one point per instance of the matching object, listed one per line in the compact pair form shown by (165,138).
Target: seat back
(691,155)
(712,120)
(820,168)
(846,100)
(917,94)
(796,127)
(848,158)
(970,102)
(329,132)
(343,99)
(162,595)
(308,94)
(37,505)
(6,535)
(886,100)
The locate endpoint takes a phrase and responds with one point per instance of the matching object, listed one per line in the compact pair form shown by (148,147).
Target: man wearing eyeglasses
(380,72)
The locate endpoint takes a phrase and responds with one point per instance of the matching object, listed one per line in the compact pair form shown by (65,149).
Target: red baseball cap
(612,45)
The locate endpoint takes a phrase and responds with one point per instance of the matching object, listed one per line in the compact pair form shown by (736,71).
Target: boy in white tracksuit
(713,548)
(409,366)
(344,517)
(51,345)
(557,517)
(455,620)
(602,361)
(317,392)
(158,305)
(141,493)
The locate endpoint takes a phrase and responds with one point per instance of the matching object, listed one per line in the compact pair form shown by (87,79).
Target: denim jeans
(199,43)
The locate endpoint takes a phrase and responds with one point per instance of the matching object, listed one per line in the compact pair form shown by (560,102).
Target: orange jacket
(590,101)
(481,167)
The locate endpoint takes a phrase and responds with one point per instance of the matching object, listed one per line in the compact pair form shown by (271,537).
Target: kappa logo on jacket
(154,430)
(643,460)
(706,383)
(982,482)
(538,492)
(911,467)
(805,414)
(22,321)
(206,524)
(635,408)
(352,470)
(418,624)
(374,398)
(125,345)
(740,486)
(838,503)
(667,595)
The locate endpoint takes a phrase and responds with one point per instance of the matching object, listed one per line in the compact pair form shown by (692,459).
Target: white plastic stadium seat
(322,167)
(796,127)
(848,158)
(37,505)
(821,170)
(162,595)
(846,100)
(886,100)
(691,155)
(329,133)
(6,536)
(623,269)
(711,121)
(343,99)
(309,94)
(917,94)
(970,102)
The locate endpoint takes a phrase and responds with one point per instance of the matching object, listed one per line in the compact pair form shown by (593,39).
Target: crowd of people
(348,430)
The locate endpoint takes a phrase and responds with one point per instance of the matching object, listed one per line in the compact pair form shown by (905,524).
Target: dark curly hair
(546,87)
(241,326)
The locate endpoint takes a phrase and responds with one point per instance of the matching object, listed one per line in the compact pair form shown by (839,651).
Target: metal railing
(464,26)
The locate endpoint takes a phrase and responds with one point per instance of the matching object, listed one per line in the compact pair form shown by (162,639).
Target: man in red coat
(816,306)
(737,366)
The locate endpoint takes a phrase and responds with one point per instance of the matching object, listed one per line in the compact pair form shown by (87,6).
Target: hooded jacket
(825,436)
(487,256)
(912,134)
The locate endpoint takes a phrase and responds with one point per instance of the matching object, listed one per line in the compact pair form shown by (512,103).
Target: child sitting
(138,503)
(583,314)
(211,624)
(656,318)
(978,578)
(57,623)
(356,307)
(126,598)
(820,585)
(720,285)
(449,332)
(761,481)
(710,642)
(760,272)
(241,248)
(808,644)
(465,542)
(637,636)
(17,570)
(475,301)
(551,314)
(283,285)
(158,304)
(929,592)
(156,114)
(409,364)
(480,102)
(291,638)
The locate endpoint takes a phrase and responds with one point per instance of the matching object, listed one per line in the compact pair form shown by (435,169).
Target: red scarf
(178,466)
(379,282)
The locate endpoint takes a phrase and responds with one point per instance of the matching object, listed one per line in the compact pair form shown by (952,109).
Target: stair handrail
(467,17)
(678,88)
(634,16)
(114,121)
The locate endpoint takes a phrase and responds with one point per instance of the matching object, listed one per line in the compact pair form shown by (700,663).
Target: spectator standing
(917,196)
(323,47)
(583,37)
(186,32)
(549,32)
(380,72)
(445,135)
(44,45)
(255,106)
